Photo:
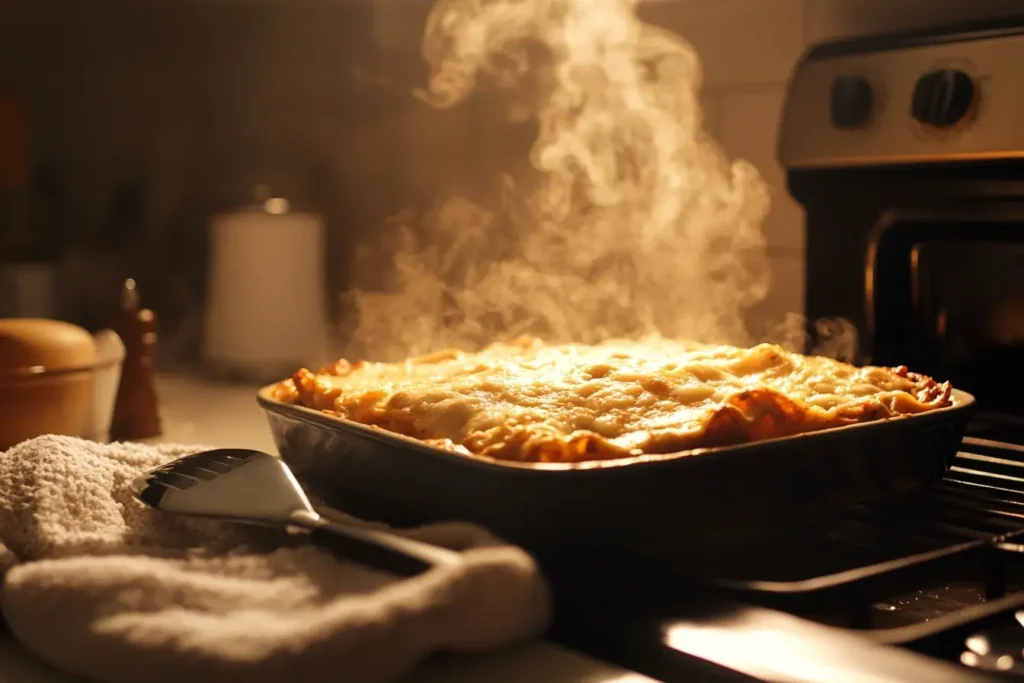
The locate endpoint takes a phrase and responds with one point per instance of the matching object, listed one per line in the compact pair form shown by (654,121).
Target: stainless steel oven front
(906,155)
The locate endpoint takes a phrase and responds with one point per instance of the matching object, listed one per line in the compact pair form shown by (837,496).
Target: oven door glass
(949,302)
(970,314)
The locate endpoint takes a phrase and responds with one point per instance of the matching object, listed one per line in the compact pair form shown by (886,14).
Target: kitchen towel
(99,584)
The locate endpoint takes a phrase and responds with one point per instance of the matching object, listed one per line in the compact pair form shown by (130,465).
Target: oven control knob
(851,101)
(943,98)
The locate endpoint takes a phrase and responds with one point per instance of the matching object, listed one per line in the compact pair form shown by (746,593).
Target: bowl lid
(31,346)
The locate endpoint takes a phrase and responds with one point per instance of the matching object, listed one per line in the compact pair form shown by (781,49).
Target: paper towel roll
(266,305)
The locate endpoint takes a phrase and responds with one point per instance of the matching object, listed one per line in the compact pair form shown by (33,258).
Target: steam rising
(628,220)
(830,337)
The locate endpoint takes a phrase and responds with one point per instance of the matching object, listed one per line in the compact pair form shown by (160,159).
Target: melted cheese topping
(526,401)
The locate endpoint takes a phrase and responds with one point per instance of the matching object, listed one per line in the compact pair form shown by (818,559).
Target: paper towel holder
(266,305)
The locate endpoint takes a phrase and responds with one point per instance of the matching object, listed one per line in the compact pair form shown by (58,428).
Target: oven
(907,156)
(937,283)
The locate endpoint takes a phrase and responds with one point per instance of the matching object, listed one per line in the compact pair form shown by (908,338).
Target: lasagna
(527,401)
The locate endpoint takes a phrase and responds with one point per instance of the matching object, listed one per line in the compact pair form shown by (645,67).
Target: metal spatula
(256,488)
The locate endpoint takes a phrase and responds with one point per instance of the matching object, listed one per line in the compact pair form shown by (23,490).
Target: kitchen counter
(201,412)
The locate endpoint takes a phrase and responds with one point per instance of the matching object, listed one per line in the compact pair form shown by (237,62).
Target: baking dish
(629,505)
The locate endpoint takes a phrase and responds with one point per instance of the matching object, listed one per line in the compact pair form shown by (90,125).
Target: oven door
(945,296)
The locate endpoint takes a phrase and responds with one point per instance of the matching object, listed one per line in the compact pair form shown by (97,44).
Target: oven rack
(840,564)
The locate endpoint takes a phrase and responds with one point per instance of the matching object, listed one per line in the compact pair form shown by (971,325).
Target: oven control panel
(948,101)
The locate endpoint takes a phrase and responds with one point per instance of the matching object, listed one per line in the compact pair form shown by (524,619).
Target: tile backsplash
(198,100)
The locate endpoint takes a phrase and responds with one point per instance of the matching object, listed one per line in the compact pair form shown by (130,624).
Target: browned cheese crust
(530,402)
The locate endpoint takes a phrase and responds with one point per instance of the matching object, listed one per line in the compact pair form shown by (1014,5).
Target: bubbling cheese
(527,401)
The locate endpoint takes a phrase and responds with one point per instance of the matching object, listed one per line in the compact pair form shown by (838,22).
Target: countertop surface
(197,411)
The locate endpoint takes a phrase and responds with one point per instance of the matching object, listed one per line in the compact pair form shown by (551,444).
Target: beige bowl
(47,379)
(48,403)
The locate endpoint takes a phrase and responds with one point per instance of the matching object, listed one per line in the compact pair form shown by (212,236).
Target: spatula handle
(380,550)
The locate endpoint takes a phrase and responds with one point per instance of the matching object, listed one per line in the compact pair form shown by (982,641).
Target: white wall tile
(711,104)
(748,130)
(784,226)
(785,297)
(831,18)
(739,41)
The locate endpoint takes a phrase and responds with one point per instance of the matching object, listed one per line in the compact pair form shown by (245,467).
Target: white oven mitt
(99,584)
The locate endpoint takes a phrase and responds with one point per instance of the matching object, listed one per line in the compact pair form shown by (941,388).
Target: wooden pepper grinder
(136,414)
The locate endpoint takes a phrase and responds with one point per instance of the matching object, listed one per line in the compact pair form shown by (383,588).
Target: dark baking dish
(632,505)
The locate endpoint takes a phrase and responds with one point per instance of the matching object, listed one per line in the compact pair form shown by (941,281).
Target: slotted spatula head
(235,484)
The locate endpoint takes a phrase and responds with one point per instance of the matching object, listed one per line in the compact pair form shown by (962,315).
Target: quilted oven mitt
(100,585)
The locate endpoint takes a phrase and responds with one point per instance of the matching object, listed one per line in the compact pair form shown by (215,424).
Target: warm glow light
(979,644)
(276,205)
(764,648)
